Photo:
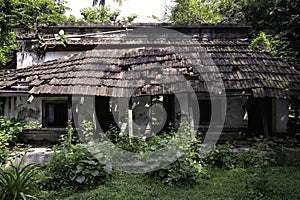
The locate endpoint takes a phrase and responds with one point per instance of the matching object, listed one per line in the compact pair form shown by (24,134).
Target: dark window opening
(205,111)
(55,114)
(205,108)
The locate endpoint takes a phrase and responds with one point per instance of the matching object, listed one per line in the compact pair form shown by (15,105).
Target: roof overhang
(13,93)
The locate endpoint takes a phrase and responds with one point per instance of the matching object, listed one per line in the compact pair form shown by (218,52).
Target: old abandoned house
(107,66)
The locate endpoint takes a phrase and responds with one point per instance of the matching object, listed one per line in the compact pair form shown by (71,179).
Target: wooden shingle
(170,67)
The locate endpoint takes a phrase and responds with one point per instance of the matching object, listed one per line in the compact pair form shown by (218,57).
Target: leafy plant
(195,11)
(87,130)
(99,14)
(61,37)
(278,45)
(34,125)
(9,131)
(73,165)
(261,42)
(8,46)
(129,19)
(104,14)
(17,181)
(72,18)
(261,154)
(188,168)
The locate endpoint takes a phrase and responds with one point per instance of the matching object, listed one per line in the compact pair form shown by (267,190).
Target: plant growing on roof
(129,19)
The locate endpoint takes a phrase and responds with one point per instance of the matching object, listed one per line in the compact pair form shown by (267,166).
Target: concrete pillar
(130,123)
(7,107)
(70,116)
(12,107)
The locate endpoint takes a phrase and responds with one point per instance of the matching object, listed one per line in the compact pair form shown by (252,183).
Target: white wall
(17,107)
(58,54)
(26,59)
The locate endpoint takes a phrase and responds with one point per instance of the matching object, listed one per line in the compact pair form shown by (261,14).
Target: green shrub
(10,130)
(73,165)
(17,181)
(261,154)
(122,140)
(188,168)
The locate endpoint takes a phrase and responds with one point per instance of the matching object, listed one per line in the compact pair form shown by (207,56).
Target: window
(55,114)
(206,111)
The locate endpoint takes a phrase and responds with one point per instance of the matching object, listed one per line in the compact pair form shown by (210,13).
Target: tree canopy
(102,2)
(195,11)
(105,15)
(28,13)
(279,20)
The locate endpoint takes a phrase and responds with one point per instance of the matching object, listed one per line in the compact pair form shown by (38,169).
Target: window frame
(44,115)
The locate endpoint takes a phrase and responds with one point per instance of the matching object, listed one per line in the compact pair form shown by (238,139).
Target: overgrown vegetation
(10,130)
(278,19)
(222,184)
(10,133)
(187,166)
(261,154)
(72,165)
(18,181)
(28,13)
(227,172)
(278,45)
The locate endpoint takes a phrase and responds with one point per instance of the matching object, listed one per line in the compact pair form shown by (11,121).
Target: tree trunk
(101,2)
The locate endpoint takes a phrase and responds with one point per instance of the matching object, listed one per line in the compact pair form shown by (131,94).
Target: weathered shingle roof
(242,67)
(122,69)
